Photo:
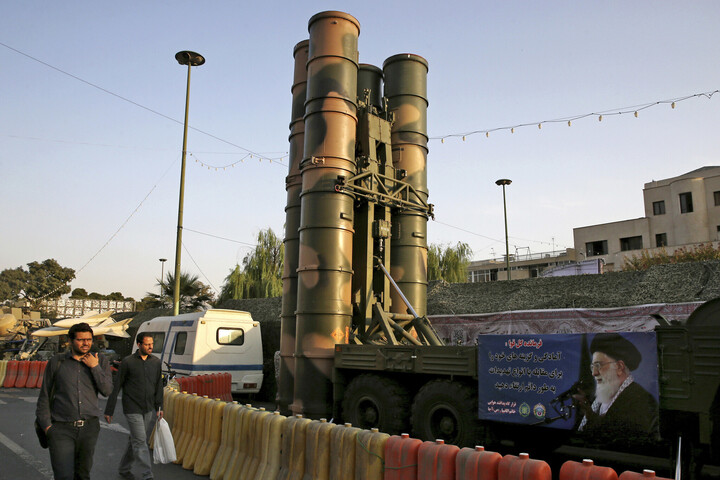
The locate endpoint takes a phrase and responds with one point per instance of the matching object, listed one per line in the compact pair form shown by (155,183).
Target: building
(682,211)
(529,265)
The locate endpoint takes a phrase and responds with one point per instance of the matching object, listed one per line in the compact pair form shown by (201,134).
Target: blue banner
(544,379)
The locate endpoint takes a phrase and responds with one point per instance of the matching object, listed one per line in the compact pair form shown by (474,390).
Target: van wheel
(372,401)
(446,410)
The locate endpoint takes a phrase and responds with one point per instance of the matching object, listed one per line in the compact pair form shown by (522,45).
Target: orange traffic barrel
(645,475)
(11,374)
(586,470)
(33,374)
(41,375)
(523,468)
(401,457)
(22,375)
(436,460)
(477,463)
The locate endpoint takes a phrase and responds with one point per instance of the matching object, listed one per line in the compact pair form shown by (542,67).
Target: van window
(230,336)
(180,342)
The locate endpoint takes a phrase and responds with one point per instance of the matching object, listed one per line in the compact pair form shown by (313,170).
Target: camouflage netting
(672,283)
(678,283)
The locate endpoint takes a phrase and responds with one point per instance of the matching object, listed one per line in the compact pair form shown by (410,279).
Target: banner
(546,379)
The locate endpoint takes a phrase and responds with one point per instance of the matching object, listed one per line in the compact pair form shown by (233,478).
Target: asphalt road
(21,456)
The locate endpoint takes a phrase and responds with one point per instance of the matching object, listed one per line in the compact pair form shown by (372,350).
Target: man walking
(67,407)
(140,379)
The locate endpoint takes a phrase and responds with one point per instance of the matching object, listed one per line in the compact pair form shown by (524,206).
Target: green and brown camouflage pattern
(293,187)
(324,303)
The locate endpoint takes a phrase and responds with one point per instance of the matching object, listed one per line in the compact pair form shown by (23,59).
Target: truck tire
(446,410)
(372,401)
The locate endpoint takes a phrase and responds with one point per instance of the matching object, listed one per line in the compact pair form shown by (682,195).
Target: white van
(210,342)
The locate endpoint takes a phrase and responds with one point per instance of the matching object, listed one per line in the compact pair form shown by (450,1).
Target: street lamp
(162,274)
(503,182)
(191,59)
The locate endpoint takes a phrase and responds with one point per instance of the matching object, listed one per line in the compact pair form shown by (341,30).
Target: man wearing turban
(623,412)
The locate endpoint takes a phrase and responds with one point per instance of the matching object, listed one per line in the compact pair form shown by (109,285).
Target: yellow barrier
(292,464)
(370,454)
(227,442)
(198,434)
(253,460)
(317,450)
(186,432)
(211,441)
(179,418)
(271,444)
(3,370)
(242,444)
(343,440)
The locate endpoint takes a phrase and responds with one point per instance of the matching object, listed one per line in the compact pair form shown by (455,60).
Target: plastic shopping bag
(163,443)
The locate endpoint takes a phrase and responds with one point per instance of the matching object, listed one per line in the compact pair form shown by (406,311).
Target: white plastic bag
(163,443)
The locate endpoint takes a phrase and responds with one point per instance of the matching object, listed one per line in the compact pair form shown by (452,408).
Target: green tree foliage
(194,295)
(261,273)
(41,280)
(702,252)
(79,293)
(449,262)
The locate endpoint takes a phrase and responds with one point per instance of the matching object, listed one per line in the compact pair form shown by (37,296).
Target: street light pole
(503,182)
(191,59)
(162,274)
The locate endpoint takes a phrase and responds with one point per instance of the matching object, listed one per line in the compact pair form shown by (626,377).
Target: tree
(194,295)
(261,274)
(40,281)
(449,263)
(699,253)
(79,293)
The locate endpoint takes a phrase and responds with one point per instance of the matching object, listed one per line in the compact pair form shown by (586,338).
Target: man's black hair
(141,336)
(79,327)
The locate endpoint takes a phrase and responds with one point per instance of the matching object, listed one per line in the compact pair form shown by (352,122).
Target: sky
(92,104)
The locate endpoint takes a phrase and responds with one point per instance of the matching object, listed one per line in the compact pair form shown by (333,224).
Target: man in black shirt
(67,407)
(140,379)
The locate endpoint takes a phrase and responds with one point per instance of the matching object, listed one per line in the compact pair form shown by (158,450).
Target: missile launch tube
(324,305)
(293,186)
(406,91)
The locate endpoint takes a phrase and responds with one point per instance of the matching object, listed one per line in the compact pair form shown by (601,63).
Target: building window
(659,208)
(686,205)
(716,195)
(631,243)
(596,248)
(661,240)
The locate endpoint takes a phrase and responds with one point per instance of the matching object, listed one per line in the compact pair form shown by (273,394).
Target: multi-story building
(528,265)
(682,211)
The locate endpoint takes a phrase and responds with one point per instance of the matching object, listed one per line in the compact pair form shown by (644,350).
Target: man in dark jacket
(623,413)
(67,407)
(140,379)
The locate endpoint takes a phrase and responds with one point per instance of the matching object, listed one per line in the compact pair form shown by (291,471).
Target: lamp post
(191,59)
(503,182)
(162,273)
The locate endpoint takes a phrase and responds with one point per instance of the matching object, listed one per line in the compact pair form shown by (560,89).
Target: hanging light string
(635,109)
(276,160)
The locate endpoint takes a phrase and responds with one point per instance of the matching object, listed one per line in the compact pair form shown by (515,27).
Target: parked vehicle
(209,342)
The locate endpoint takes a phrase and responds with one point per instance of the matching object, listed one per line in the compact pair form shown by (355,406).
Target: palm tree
(194,295)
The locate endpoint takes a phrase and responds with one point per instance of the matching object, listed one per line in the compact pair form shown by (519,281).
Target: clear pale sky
(77,161)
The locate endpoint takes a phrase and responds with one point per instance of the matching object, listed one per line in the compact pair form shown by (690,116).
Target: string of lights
(277,161)
(634,110)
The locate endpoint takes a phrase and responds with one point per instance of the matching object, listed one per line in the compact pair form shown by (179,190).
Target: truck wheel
(446,410)
(372,401)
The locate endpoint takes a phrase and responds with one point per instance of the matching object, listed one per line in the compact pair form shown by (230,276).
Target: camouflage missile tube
(293,187)
(324,306)
(406,91)
(370,79)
